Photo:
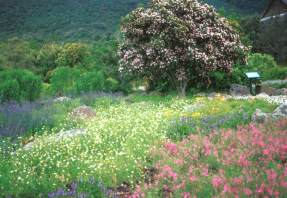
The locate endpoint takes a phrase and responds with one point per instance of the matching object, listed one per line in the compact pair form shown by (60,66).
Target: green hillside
(62,19)
(81,19)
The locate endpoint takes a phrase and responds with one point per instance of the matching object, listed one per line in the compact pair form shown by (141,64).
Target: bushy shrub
(184,40)
(63,80)
(19,85)
(72,54)
(9,90)
(274,73)
(46,59)
(90,81)
(111,84)
(258,61)
(17,53)
(220,80)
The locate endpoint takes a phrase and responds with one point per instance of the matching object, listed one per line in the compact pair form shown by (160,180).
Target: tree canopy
(179,40)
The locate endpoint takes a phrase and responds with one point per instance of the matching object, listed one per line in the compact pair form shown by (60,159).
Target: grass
(115,148)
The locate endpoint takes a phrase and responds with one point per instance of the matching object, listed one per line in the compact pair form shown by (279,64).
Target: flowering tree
(178,39)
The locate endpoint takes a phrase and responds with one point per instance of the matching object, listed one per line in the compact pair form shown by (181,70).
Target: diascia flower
(248,172)
(217,181)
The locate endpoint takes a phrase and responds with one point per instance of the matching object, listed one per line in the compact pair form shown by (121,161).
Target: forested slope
(82,19)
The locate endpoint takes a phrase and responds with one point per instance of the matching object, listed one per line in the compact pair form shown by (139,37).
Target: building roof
(275,8)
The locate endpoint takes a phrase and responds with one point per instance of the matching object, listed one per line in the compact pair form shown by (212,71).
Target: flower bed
(248,162)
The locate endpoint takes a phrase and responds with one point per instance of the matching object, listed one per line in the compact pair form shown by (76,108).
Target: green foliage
(19,85)
(111,84)
(275,73)
(46,59)
(259,62)
(83,20)
(266,65)
(72,54)
(90,81)
(220,80)
(63,20)
(9,90)
(66,80)
(17,53)
(208,115)
(63,80)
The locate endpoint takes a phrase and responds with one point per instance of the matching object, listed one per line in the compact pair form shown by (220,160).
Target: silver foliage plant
(180,40)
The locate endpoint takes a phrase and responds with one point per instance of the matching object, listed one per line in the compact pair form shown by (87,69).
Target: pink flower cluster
(248,162)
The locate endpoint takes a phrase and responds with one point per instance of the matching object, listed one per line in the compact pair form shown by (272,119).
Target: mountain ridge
(80,19)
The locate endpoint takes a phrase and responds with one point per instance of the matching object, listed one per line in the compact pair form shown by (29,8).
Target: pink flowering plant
(179,41)
(247,162)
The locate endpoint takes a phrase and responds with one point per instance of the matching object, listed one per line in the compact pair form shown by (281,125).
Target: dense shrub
(183,40)
(9,90)
(90,81)
(19,85)
(17,53)
(259,61)
(274,73)
(111,84)
(67,81)
(46,59)
(63,80)
(72,54)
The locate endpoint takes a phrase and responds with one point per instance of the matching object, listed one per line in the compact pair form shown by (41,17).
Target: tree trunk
(181,88)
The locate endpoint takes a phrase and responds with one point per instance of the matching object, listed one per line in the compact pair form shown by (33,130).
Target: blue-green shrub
(19,85)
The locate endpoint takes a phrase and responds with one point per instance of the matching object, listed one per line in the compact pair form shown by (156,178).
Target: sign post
(254,82)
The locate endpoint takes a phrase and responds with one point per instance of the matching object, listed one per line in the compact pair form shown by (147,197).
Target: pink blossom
(226,188)
(193,178)
(179,162)
(276,193)
(167,171)
(270,191)
(186,195)
(247,191)
(217,181)
(260,189)
(172,148)
(205,171)
(243,161)
(207,146)
(271,175)
(237,181)
(284,184)
(266,152)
